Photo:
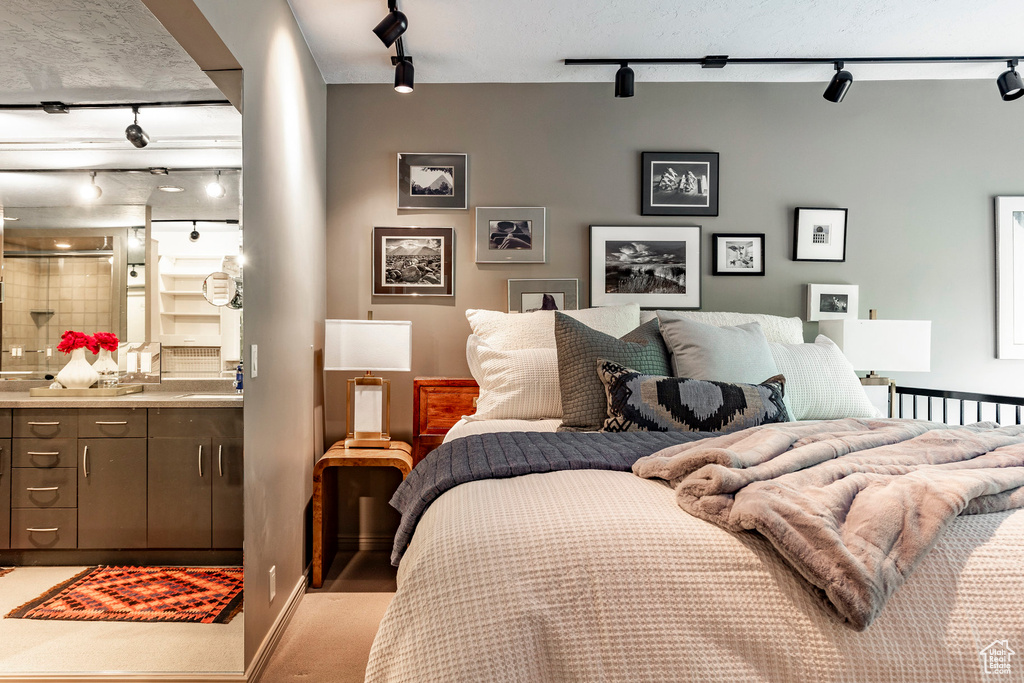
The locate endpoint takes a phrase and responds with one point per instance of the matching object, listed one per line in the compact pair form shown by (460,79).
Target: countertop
(169,394)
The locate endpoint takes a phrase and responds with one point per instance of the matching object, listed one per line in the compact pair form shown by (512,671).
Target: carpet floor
(33,646)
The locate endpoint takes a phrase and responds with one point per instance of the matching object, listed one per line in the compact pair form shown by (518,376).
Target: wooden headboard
(437,404)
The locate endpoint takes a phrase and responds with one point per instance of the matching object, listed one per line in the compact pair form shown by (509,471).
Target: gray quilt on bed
(853,505)
(510,454)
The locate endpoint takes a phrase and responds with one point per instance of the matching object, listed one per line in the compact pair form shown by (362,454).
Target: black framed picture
(411,261)
(819,234)
(433,181)
(656,267)
(737,253)
(679,184)
(560,294)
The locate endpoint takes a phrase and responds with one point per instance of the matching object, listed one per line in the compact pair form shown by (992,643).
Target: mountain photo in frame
(433,181)
(412,261)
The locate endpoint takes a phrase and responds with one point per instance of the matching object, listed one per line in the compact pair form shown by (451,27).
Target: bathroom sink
(220,397)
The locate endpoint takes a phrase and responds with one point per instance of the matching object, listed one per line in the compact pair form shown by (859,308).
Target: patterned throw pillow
(652,403)
(584,406)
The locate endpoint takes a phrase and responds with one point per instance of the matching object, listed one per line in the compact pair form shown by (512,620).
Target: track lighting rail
(151,171)
(719,61)
(64,107)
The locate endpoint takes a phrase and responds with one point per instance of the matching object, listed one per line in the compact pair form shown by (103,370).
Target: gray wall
(284,188)
(916,163)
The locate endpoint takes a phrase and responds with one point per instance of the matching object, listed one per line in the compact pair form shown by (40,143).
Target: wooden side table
(325,494)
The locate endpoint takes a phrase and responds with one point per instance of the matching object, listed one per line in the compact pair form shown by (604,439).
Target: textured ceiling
(92,50)
(474,41)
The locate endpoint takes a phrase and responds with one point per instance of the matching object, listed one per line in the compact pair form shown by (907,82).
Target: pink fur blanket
(853,505)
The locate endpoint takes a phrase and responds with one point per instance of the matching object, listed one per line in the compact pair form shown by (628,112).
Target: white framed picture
(507,234)
(819,234)
(1010,278)
(560,294)
(656,267)
(832,302)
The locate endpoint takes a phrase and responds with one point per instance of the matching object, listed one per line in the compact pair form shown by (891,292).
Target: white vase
(107,369)
(77,374)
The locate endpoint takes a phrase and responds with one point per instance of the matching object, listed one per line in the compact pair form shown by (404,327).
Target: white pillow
(820,382)
(536,330)
(775,328)
(519,384)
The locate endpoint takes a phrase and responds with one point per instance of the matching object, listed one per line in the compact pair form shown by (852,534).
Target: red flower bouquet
(106,340)
(71,340)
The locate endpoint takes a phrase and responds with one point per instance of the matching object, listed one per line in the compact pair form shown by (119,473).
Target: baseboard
(354,542)
(270,641)
(116,677)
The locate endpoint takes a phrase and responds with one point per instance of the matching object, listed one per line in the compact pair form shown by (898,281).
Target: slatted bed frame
(924,404)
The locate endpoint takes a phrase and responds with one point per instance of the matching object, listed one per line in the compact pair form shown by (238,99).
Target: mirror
(219,289)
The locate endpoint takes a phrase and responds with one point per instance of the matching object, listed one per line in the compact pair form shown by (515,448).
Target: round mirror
(219,288)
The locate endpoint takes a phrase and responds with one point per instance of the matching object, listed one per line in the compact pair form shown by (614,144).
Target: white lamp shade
(886,345)
(378,345)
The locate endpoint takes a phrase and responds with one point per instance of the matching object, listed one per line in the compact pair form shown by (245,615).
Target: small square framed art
(410,261)
(832,302)
(561,294)
(433,181)
(737,253)
(656,267)
(510,234)
(679,184)
(819,234)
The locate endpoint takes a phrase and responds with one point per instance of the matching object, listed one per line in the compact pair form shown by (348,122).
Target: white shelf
(185,314)
(181,292)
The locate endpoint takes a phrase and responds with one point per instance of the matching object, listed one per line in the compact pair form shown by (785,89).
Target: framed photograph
(832,302)
(656,267)
(1010,278)
(679,184)
(433,181)
(737,253)
(819,234)
(525,296)
(413,261)
(509,234)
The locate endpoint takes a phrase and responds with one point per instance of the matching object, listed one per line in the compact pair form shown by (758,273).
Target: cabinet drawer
(45,453)
(46,423)
(5,423)
(111,422)
(176,422)
(44,488)
(44,529)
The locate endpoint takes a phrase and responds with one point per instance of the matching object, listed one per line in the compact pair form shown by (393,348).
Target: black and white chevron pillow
(653,403)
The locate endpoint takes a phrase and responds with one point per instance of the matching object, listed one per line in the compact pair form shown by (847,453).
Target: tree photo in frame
(656,267)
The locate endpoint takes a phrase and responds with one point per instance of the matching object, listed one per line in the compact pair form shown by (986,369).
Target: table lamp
(888,345)
(370,345)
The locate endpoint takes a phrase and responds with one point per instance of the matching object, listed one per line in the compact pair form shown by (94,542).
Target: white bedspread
(600,576)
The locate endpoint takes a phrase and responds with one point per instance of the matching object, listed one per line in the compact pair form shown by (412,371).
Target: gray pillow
(721,354)
(584,405)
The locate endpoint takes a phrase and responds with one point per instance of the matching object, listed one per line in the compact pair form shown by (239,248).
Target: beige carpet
(29,645)
(328,639)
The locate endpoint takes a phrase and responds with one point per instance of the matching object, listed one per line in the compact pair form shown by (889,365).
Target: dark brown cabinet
(228,503)
(5,493)
(112,493)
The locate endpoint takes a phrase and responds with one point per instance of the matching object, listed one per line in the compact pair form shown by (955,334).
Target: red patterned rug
(6,570)
(205,595)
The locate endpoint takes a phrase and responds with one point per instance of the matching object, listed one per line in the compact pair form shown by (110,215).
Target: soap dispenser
(238,378)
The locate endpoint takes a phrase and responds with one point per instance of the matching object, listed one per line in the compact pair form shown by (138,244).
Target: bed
(600,575)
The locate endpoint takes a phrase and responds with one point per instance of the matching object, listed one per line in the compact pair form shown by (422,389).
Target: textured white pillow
(775,328)
(820,382)
(536,330)
(519,384)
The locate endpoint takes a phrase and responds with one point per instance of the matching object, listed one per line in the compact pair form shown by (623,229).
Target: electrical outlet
(254,365)
(273,582)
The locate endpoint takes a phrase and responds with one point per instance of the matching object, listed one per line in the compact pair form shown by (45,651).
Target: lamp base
(367,443)
(872,379)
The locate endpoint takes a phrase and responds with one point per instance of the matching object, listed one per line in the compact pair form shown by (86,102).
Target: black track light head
(391,26)
(624,81)
(1010,84)
(839,85)
(194,235)
(134,132)
(404,75)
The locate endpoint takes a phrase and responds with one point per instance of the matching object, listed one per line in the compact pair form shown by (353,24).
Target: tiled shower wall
(77,289)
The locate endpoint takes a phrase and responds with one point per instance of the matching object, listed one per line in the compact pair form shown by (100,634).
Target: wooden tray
(120,390)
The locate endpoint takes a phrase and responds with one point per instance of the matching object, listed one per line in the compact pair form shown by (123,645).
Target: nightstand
(325,494)
(437,404)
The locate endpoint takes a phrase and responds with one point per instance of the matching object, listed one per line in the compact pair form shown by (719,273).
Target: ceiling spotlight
(1010,85)
(134,132)
(158,170)
(404,75)
(214,189)
(840,83)
(624,81)
(194,235)
(55,108)
(134,240)
(62,245)
(91,191)
(133,272)
(170,188)
(392,26)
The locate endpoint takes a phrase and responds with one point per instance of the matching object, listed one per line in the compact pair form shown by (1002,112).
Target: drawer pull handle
(200,460)
(42,488)
(31,529)
(44,424)
(220,460)
(122,422)
(85,462)
(44,453)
